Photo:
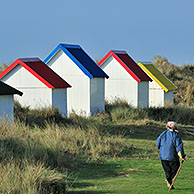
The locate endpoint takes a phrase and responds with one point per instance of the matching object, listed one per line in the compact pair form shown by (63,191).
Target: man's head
(171,125)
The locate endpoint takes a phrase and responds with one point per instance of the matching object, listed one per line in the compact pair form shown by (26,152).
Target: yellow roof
(157,76)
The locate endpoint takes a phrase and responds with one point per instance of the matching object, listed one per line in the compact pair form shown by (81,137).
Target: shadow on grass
(132,131)
(148,131)
(53,187)
(185,190)
(87,192)
(81,185)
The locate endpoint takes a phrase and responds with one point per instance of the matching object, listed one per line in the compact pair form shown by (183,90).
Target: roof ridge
(119,51)
(30,59)
(70,45)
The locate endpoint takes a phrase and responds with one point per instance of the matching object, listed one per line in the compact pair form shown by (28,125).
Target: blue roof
(80,58)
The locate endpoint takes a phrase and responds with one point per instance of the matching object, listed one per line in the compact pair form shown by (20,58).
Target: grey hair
(171,122)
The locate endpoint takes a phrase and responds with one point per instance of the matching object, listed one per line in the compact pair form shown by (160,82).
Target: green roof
(157,76)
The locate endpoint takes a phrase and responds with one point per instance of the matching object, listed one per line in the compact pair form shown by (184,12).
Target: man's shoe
(168,184)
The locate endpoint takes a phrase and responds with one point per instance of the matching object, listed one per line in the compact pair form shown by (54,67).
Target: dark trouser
(170,169)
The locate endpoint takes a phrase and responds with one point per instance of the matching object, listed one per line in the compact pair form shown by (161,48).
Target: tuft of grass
(37,116)
(180,114)
(30,178)
(120,110)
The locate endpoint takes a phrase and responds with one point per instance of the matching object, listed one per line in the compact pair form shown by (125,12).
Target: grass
(140,172)
(131,176)
(111,152)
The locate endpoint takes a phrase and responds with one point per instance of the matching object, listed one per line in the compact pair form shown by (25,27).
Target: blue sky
(143,28)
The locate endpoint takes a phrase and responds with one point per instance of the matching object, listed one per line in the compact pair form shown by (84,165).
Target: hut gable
(127,63)
(73,64)
(161,89)
(36,68)
(127,80)
(80,58)
(41,86)
(157,76)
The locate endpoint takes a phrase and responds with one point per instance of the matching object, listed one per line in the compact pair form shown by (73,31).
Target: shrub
(37,116)
(120,110)
(29,178)
(182,77)
(179,114)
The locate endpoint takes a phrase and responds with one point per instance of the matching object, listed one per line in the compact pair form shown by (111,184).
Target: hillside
(182,77)
(3,67)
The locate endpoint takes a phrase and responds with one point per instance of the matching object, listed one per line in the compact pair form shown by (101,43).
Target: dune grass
(111,152)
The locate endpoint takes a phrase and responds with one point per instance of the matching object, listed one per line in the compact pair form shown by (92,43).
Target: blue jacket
(170,145)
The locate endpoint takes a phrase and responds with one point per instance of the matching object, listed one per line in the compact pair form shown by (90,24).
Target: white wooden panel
(115,70)
(97,95)
(20,77)
(156,97)
(154,85)
(59,100)
(35,97)
(78,96)
(143,94)
(168,97)
(122,89)
(64,66)
(6,107)
(120,83)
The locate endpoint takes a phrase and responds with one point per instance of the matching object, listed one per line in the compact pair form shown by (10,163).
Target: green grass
(131,176)
(140,173)
(138,170)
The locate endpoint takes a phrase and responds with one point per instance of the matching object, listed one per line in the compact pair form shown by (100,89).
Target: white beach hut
(41,86)
(161,89)
(72,63)
(127,81)
(7,101)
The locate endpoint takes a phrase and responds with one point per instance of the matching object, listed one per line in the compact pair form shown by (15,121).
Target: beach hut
(127,81)
(72,63)
(7,101)
(161,89)
(40,85)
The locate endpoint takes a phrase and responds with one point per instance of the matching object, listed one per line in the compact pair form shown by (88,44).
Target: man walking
(171,149)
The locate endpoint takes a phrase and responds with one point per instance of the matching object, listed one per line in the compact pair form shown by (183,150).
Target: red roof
(40,70)
(129,65)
